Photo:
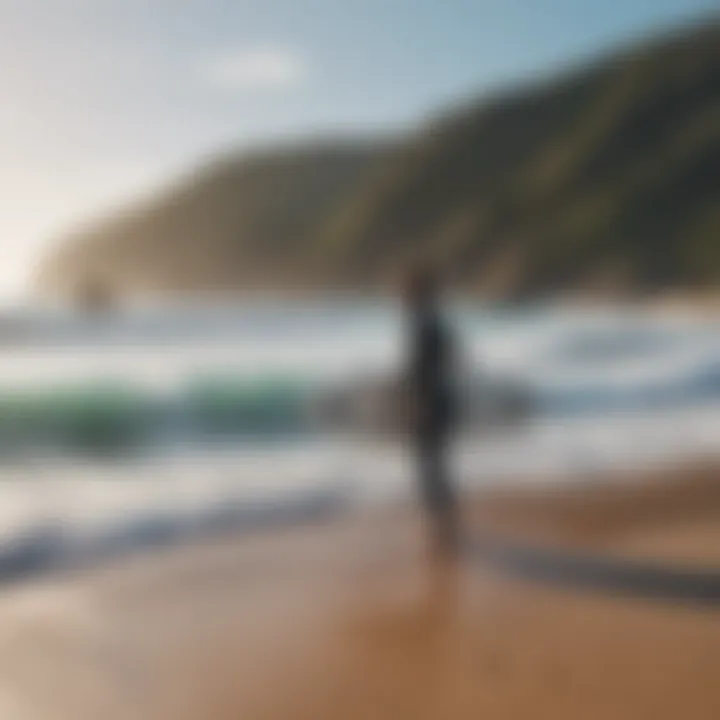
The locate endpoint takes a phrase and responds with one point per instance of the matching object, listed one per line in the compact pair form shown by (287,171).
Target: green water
(114,416)
(258,406)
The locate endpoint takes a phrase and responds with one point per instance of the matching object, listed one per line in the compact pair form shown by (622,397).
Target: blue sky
(104,99)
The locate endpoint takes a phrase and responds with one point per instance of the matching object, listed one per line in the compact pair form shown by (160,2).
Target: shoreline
(610,513)
(348,617)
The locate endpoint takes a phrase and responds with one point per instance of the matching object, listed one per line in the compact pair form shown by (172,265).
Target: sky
(104,100)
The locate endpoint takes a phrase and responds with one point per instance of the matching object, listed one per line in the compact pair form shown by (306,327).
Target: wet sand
(350,619)
(671,516)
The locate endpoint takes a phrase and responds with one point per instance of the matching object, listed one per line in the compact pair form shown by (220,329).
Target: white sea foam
(617,390)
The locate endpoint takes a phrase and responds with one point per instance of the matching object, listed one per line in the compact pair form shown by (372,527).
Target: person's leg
(438,492)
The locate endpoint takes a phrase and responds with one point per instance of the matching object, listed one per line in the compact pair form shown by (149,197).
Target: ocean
(154,423)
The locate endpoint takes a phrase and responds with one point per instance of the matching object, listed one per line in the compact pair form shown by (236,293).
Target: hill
(605,180)
(239,222)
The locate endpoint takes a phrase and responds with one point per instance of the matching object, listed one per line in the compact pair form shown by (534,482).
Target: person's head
(421,287)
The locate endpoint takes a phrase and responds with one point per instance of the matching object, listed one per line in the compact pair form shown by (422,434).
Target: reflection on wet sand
(353,619)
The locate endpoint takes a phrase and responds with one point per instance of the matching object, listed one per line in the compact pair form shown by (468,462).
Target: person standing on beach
(430,384)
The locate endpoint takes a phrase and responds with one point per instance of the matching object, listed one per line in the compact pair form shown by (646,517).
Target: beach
(278,274)
(351,618)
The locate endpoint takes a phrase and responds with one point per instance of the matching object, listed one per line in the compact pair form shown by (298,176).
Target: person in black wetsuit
(432,402)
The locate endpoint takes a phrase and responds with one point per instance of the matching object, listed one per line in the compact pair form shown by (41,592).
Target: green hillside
(605,180)
(242,222)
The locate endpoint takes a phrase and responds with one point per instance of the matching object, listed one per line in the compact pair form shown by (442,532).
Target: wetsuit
(431,361)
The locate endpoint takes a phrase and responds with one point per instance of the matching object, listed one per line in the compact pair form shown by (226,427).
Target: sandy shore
(672,515)
(350,619)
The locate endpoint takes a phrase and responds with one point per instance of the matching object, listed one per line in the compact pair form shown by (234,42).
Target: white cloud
(256,69)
